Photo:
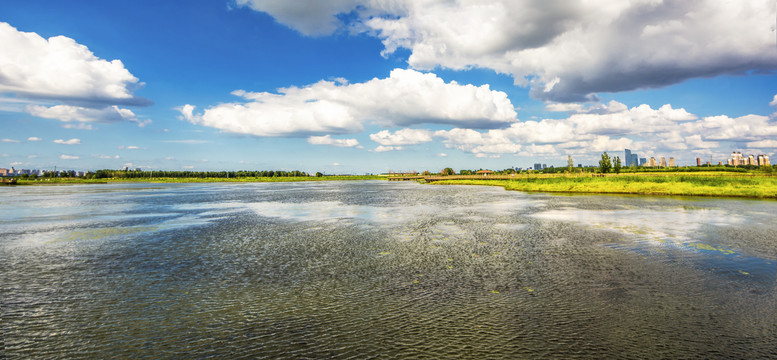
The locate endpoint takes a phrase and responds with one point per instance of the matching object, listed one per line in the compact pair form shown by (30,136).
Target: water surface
(382,270)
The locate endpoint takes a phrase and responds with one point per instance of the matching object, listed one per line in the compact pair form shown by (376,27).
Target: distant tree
(448,171)
(617,165)
(605,165)
(426,173)
(319,174)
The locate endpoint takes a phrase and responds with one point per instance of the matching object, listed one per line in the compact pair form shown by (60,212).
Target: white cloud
(774,103)
(188,167)
(442,154)
(34,138)
(604,143)
(130,147)
(614,127)
(383,148)
(79,126)
(68,142)
(16,163)
(763,144)
(68,113)
(402,137)
(405,98)
(327,140)
(68,157)
(564,50)
(59,68)
(9,140)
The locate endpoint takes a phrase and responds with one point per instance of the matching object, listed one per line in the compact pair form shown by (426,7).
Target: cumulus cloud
(615,127)
(68,157)
(9,140)
(328,140)
(68,142)
(566,51)
(405,98)
(35,70)
(383,148)
(59,68)
(402,137)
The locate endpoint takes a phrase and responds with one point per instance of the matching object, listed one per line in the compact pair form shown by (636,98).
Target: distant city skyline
(372,86)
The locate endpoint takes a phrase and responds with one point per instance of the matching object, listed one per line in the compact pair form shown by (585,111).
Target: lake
(373,269)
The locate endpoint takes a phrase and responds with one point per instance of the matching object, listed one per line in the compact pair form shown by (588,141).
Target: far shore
(747,185)
(66,181)
(742,185)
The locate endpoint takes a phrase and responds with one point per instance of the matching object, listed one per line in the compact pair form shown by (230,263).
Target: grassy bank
(54,181)
(752,186)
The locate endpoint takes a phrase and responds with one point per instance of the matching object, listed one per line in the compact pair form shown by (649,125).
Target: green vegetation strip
(679,185)
(199,180)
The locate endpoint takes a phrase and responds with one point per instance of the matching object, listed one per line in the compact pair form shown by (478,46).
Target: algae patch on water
(99,233)
(707,247)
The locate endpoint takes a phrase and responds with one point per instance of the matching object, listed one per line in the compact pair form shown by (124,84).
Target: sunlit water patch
(378,269)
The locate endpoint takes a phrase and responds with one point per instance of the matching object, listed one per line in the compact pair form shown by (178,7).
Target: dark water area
(357,270)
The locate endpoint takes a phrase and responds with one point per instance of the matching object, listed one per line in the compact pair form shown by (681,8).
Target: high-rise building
(698,161)
(736,159)
(537,166)
(642,161)
(763,160)
(663,162)
(671,162)
(652,162)
(751,160)
(630,158)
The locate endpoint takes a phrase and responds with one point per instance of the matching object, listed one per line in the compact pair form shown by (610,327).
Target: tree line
(108,174)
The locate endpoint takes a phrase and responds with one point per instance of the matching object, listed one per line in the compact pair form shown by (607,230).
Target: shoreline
(752,186)
(74,181)
(764,189)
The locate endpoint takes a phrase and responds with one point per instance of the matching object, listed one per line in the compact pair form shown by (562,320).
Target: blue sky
(368,86)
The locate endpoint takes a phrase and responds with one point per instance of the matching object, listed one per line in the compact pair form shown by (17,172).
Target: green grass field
(747,185)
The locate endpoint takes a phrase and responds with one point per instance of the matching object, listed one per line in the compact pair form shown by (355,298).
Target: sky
(371,86)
